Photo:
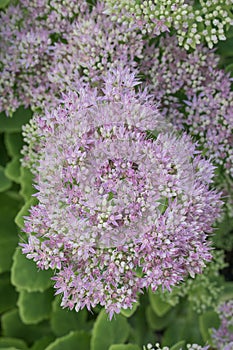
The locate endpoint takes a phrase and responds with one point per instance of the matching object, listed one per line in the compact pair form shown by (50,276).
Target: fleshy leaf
(159,306)
(5,183)
(14,143)
(24,211)
(8,230)
(185,327)
(14,123)
(12,326)
(7,248)
(229,68)
(4,156)
(72,341)
(22,268)
(106,332)
(158,323)
(227,293)
(12,170)
(178,345)
(140,333)
(13,342)
(129,312)
(225,48)
(26,178)
(207,321)
(42,343)
(124,347)
(4,3)
(34,307)
(63,320)
(8,295)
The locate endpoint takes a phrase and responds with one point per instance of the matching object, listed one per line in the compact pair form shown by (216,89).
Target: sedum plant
(125,200)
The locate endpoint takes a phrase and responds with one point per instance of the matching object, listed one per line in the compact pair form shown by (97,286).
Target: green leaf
(14,143)
(229,33)
(5,183)
(14,123)
(124,347)
(35,307)
(26,179)
(207,321)
(12,170)
(225,48)
(159,306)
(12,326)
(178,345)
(229,68)
(42,343)
(185,327)
(17,343)
(24,268)
(7,249)
(8,295)
(72,341)
(8,230)
(24,211)
(158,323)
(4,3)
(63,320)
(4,156)
(130,312)
(117,331)
(140,333)
(227,293)
(164,204)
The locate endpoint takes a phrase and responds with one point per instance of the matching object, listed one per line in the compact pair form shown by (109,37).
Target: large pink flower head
(119,208)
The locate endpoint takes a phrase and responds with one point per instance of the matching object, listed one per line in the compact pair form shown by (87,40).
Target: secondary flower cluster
(223,337)
(25,55)
(120,209)
(47,46)
(91,46)
(195,95)
(193,24)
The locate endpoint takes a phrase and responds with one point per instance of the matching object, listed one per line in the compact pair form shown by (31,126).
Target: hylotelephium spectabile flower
(195,95)
(119,209)
(223,336)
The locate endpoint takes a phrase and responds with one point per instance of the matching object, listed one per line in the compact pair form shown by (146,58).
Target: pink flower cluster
(223,336)
(47,46)
(120,209)
(195,95)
